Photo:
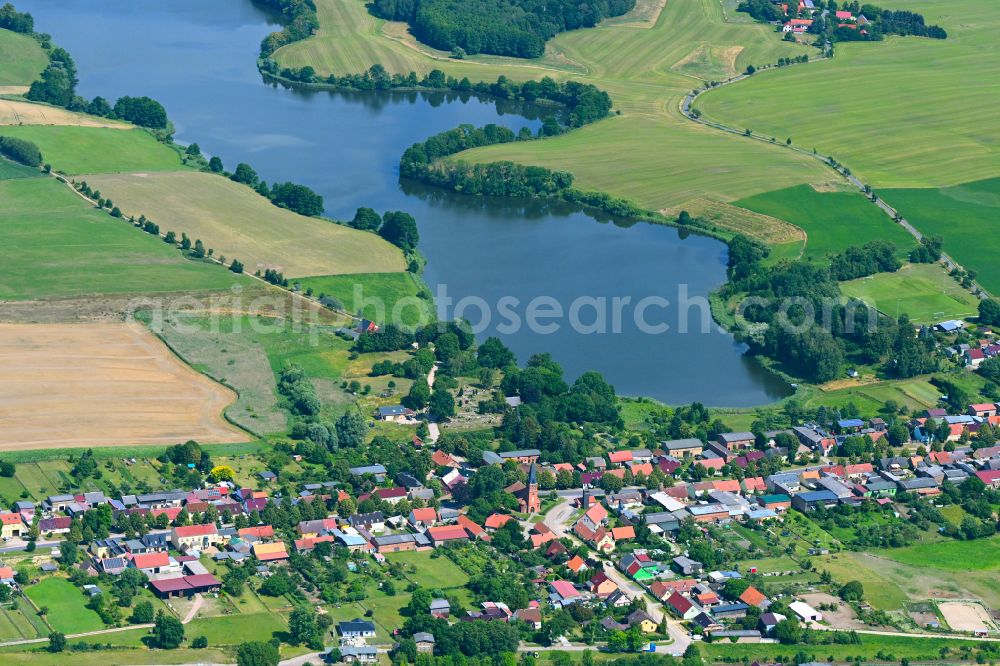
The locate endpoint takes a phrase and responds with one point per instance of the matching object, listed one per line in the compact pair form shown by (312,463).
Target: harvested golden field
(14,112)
(237,222)
(108,384)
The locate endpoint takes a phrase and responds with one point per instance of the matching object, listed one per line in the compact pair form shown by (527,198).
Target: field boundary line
(687,110)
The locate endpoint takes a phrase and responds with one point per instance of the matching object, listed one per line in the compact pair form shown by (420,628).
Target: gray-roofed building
(737,440)
(685,447)
(378,471)
(808,501)
(834,486)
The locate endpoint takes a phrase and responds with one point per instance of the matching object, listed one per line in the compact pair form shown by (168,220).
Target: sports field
(831,221)
(887,109)
(21,59)
(76,150)
(64,385)
(239,223)
(965,216)
(925,292)
(56,245)
(649,153)
(15,112)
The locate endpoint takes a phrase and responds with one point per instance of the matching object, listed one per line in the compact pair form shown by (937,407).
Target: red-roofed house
(727,485)
(391,495)
(576,564)
(197,537)
(662,589)
(797,26)
(623,533)
(983,409)
(11,525)
(150,563)
(620,457)
(595,516)
(442,459)
(564,589)
(474,529)
(270,552)
(991,477)
(421,518)
(754,484)
(753,597)
(844,16)
(307,544)
(602,586)
(646,468)
(682,606)
(974,357)
(497,520)
(447,534)
(260,532)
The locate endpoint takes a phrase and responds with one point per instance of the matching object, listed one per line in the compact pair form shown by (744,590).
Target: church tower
(533,504)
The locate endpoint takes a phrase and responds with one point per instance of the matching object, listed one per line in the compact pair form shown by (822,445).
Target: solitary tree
(57,641)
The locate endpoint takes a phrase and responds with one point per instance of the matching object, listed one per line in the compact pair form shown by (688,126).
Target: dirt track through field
(102,384)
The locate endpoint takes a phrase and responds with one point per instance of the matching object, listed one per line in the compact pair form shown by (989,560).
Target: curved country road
(842,169)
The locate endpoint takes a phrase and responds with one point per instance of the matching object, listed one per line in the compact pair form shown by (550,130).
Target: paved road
(557,520)
(18,547)
(842,169)
(432,428)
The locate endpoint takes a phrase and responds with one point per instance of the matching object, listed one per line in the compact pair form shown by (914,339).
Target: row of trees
(21,151)
(57,86)
(584,103)
(517,28)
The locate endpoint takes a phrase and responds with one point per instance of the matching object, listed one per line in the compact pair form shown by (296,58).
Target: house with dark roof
(356,628)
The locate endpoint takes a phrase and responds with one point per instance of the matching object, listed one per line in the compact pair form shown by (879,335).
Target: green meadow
(958,556)
(75,150)
(832,220)
(56,245)
(888,109)
(965,216)
(925,292)
(21,59)
(377,296)
(647,61)
(66,604)
(11,170)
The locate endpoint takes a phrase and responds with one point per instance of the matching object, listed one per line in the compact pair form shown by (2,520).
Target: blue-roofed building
(850,424)
(730,611)
(808,501)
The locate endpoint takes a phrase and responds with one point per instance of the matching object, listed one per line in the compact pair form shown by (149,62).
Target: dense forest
(502,27)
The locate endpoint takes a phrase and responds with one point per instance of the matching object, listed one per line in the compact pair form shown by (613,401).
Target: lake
(509,265)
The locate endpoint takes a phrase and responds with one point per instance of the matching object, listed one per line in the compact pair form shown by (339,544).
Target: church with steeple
(531,502)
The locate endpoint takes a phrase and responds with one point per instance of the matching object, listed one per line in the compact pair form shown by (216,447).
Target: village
(632,546)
